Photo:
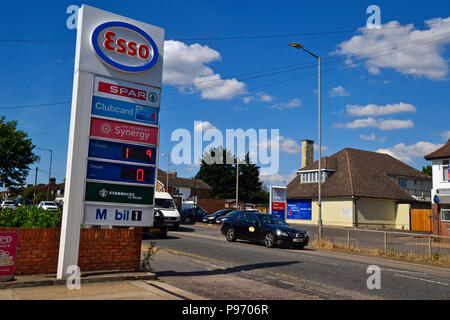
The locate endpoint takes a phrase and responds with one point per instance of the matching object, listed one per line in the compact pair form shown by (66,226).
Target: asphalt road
(199,260)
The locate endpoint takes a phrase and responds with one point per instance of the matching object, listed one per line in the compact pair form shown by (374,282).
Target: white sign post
(114,127)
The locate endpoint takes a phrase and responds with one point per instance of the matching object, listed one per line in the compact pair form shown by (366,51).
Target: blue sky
(392,97)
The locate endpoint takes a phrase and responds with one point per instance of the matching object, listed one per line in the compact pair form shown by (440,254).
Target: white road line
(431,281)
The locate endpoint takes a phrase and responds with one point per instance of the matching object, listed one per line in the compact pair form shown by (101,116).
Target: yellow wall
(335,212)
(402,220)
(374,213)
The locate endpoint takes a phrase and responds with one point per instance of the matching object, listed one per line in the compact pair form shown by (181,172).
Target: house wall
(375,213)
(335,212)
(403,217)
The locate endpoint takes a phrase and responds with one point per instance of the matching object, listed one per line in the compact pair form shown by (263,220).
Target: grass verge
(330,245)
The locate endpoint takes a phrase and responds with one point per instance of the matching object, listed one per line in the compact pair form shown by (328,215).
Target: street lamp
(168,164)
(301,47)
(49,171)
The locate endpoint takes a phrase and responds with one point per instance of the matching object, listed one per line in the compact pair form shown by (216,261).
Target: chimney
(307,152)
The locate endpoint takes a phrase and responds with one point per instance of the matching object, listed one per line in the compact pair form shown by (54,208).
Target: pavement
(94,286)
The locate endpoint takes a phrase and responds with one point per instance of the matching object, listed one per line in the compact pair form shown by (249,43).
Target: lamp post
(301,47)
(168,164)
(49,171)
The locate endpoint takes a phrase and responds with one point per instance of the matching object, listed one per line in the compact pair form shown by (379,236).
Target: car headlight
(282,233)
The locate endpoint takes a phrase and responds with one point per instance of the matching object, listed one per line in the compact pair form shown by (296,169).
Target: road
(199,260)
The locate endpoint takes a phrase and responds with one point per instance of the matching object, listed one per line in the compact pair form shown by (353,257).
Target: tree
(16,154)
(221,176)
(427,170)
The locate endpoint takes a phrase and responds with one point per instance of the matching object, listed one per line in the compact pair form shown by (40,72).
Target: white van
(164,202)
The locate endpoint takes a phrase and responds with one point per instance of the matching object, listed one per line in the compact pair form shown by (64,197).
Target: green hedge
(30,217)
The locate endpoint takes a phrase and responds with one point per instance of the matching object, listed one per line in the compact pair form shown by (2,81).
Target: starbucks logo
(152,97)
(103,193)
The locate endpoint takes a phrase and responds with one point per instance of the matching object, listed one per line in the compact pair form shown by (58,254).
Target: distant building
(184,188)
(441,189)
(359,189)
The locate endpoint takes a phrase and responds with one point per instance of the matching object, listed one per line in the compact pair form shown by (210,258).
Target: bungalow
(359,189)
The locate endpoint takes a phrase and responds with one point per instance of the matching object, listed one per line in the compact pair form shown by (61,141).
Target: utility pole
(35,182)
(237,183)
(49,171)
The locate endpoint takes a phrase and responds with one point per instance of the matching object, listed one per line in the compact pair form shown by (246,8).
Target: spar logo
(124,46)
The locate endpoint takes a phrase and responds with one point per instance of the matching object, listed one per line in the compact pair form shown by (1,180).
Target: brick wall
(439,227)
(100,249)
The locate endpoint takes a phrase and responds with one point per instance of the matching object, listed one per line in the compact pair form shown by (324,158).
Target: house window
(445,215)
(445,170)
(402,182)
(312,176)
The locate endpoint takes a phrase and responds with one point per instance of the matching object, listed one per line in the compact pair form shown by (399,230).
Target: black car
(222,219)
(159,228)
(23,202)
(211,218)
(266,228)
(191,215)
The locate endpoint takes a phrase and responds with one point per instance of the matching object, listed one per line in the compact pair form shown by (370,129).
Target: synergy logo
(124,46)
(123,131)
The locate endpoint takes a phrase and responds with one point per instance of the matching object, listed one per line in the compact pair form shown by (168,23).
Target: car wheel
(269,240)
(187,220)
(163,235)
(230,234)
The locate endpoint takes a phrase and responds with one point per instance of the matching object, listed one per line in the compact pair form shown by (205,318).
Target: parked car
(59,201)
(160,226)
(8,204)
(192,215)
(211,218)
(48,205)
(266,228)
(222,219)
(23,202)
(164,203)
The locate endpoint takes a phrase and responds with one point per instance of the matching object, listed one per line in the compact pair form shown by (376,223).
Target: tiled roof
(442,152)
(357,173)
(182,182)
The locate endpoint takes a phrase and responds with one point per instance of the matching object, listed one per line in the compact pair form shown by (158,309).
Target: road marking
(431,281)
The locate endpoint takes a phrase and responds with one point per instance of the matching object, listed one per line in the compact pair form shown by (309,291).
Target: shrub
(29,217)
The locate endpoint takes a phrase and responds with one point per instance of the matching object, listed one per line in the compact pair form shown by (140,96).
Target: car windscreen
(49,204)
(270,219)
(164,203)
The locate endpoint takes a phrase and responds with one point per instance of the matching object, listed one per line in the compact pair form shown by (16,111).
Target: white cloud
(260,96)
(445,135)
(278,178)
(389,124)
(406,153)
(203,126)
(338,91)
(399,47)
(325,149)
(369,137)
(185,67)
(294,103)
(374,110)
(287,145)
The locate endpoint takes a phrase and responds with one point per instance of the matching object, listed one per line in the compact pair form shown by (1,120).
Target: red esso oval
(121,46)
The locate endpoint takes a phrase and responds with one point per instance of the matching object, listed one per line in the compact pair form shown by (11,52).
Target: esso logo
(124,46)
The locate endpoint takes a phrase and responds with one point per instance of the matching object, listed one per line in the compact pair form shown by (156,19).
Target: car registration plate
(298,240)
(154,229)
